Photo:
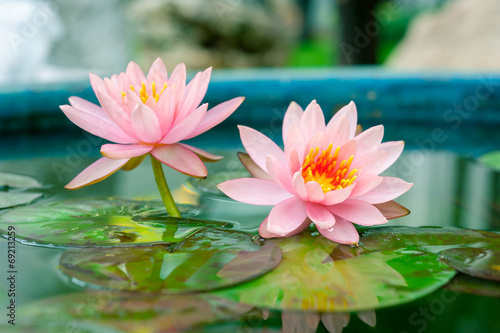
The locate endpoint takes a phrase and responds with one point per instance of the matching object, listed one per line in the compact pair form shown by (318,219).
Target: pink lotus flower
(147,115)
(326,174)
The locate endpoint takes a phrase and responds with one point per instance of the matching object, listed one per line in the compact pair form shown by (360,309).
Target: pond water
(450,191)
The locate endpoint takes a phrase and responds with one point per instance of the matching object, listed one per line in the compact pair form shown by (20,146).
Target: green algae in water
(223,259)
(100,222)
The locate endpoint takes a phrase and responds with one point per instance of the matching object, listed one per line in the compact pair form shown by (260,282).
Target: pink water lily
(327,174)
(147,115)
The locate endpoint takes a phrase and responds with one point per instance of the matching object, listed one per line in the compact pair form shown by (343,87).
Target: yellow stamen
(143,92)
(322,168)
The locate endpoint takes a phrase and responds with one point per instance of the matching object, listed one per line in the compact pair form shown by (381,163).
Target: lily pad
(491,159)
(208,186)
(100,222)
(429,239)
(12,180)
(211,259)
(12,199)
(101,311)
(309,279)
(481,263)
(467,284)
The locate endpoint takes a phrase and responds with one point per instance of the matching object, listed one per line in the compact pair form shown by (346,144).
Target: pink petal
(293,161)
(202,87)
(358,212)
(287,216)
(146,124)
(259,146)
(317,141)
(97,83)
(347,150)
(321,216)
(178,76)
(123,82)
(265,233)
(88,107)
(97,171)
(165,109)
(252,167)
(190,97)
(312,121)
(394,150)
(113,91)
(392,210)
(370,139)
(135,75)
(182,129)
(178,80)
(254,191)
(365,182)
(203,155)
(131,100)
(338,196)
(157,72)
(295,140)
(337,133)
(216,115)
(299,186)
(350,112)
(180,159)
(279,173)
(292,117)
(116,113)
(389,189)
(372,163)
(102,127)
(124,151)
(315,192)
(343,232)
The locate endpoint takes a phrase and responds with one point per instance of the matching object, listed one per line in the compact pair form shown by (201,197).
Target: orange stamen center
(326,170)
(143,93)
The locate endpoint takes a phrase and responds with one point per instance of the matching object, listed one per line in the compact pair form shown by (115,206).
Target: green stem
(166,196)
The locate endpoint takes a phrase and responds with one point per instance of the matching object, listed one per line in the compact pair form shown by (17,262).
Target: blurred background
(52,40)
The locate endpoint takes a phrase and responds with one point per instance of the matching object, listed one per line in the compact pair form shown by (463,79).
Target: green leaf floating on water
(109,312)
(210,259)
(309,279)
(428,239)
(12,180)
(100,222)
(11,198)
(481,263)
(491,159)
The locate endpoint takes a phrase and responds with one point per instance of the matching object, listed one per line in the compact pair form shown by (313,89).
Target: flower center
(143,93)
(325,170)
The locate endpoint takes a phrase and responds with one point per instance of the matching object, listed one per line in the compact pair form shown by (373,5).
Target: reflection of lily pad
(208,186)
(97,312)
(470,285)
(308,278)
(482,263)
(99,222)
(216,258)
(12,180)
(428,239)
